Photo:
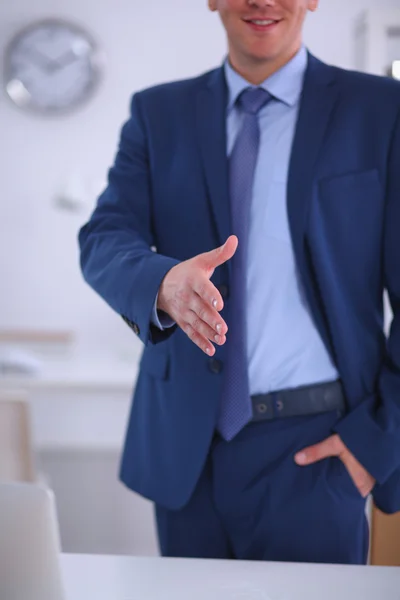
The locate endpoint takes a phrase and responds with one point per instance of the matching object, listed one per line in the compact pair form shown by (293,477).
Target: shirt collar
(285,85)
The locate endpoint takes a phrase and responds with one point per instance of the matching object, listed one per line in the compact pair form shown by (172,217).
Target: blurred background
(67,363)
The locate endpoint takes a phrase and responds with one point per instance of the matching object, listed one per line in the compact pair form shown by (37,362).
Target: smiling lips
(262,24)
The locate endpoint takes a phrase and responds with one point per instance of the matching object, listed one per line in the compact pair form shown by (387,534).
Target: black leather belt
(301,401)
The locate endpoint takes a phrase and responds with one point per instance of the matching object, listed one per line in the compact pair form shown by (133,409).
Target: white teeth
(258,22)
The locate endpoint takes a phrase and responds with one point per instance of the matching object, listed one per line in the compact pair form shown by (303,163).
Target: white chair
(16,451)
(29,544)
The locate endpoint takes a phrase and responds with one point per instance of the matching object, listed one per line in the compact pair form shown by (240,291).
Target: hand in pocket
(333,446)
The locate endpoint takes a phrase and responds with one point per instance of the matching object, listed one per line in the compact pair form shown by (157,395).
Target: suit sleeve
(116,254)
(372,430)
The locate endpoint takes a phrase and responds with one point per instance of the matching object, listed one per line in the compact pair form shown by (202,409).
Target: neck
(255,71)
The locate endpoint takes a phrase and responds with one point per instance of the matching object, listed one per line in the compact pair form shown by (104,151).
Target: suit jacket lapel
(320,95)
(211,131)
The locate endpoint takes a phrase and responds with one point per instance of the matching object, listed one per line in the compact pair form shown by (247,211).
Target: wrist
(161,299)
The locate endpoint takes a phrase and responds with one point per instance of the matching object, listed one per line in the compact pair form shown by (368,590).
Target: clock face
(51,67)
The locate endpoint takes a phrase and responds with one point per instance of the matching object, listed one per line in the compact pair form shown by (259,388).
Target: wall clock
(51,67)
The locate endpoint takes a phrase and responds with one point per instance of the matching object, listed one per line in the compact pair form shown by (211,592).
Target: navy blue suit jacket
(168,190)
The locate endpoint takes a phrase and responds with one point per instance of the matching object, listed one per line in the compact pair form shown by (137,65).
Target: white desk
(123,578)
(80,398)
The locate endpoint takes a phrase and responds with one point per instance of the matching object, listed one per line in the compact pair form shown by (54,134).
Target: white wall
(143,43)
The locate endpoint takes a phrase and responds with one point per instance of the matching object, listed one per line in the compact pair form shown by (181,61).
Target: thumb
(332,446)
(213,259)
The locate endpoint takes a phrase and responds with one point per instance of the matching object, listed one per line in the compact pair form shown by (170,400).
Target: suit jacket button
(215,366)
(223,290)
(136,328)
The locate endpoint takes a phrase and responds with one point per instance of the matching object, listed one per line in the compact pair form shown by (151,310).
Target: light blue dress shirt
(284,347)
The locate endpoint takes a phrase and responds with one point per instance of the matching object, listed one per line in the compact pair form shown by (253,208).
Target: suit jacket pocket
(155,362)
(349,217)
(358,184)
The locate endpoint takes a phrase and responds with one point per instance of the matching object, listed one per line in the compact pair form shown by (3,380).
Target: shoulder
(364,83)
(366,88)
(175,91)
(158,109)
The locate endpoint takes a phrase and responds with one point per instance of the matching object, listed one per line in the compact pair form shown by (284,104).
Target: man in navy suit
(247,233)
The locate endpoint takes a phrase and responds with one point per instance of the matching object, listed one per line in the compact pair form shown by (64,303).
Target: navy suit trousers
(253,502)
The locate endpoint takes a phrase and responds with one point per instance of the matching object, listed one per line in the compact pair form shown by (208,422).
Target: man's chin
(262,56)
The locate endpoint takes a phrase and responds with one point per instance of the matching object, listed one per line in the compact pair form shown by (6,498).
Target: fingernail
(219,327)
(208,351)
(215,302)
(217,339)
(301,458)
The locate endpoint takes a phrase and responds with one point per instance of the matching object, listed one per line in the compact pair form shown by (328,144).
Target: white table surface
(81,368)
(128,578)
(79,398)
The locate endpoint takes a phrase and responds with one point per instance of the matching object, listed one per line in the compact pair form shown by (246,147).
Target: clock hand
(63,61)
(42,60)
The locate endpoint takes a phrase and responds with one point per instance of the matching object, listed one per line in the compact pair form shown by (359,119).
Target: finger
(191,301)
(332,446)
(207,291)
(198,339)
(198,324)
(360,476)
(209,315)
(213,259)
